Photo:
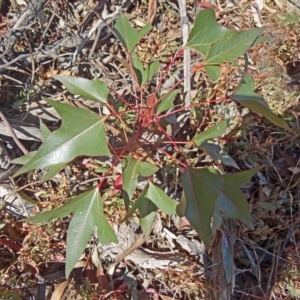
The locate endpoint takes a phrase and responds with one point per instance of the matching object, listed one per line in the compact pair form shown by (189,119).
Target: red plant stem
(109,170)
(190,106)
(171,141)
(132,108)
(166,153)
(138,109)
(172,157)
(177,54)
(169,113)
(133,77)
(136,136)
(175,85)
(121,98)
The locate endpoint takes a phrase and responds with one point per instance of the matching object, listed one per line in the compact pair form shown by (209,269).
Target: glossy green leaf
(217,221)
(24,159)
(203,189)
(128,36)
(219,44)
(130,171)
(166,101)
(138,68)
(150,70)
(138,203)
(232,45)
(160,199)
(147,210)
(244,95)
(52,171)
(213,72)
(232,191)
(147,213)
(211,133)
(226,208)
(82,133)
(94,90)
(149,200)
(217,154)
(88,214)
(240,178)
(229,204)
(260,39)
(143,75)
(45,132)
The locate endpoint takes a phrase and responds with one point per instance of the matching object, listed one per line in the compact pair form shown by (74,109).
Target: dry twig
(17,141)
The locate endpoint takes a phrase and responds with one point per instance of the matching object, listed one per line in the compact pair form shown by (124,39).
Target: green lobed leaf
(138,203)
(260,39)
(217,154)
(204,188)
(211,133)
(88,209)
(88,216)
(241,178)
(233,194)
(217,221)
(147,213)
(150,70)
(205,32)
(52,171)
(232,45)
(147,169)
(24,159)
(62,211)
(213,72)
(166,101)
(128,36)
(143,75)
(94,90)
(80,229)
(226,209)
(244,95)
(45,132)
(138,68)
(219,44)
(131,168)
(129,179)
(201,188)
(161,200)
(82,133)
(149,200)
(231,203)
